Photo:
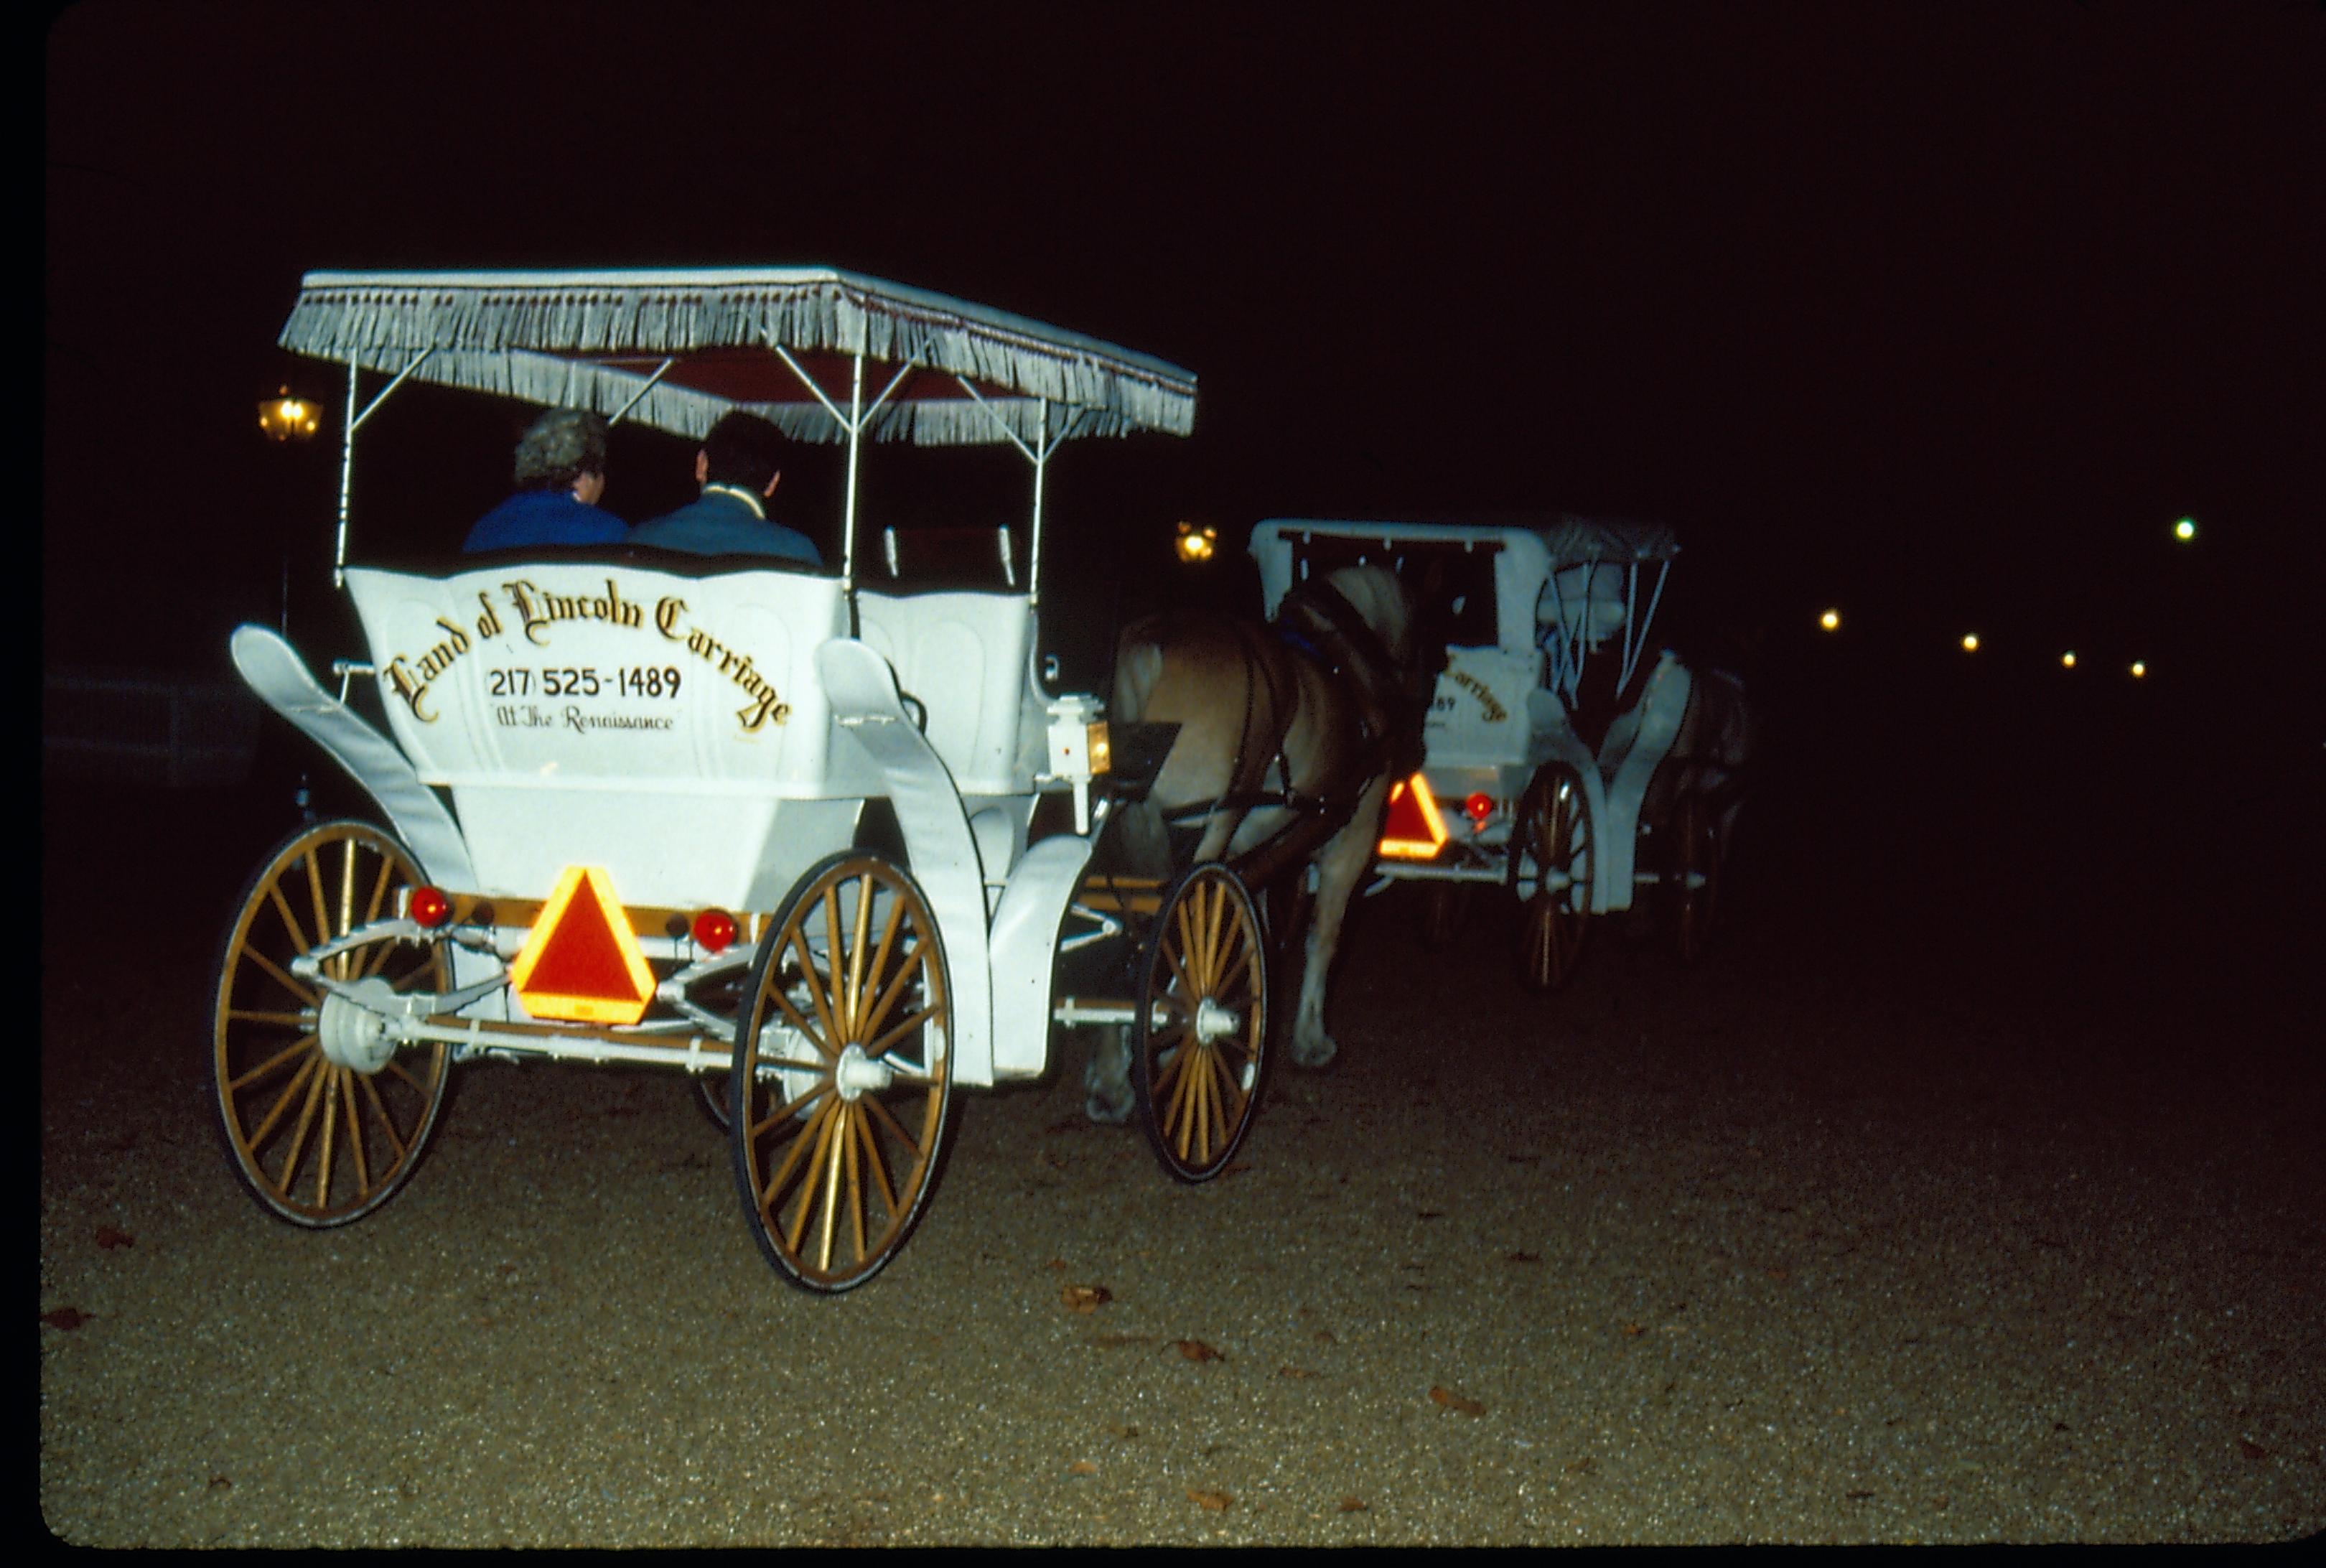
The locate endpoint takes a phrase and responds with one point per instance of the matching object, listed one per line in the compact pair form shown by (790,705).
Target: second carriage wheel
(1199,1043)
(1695,901)
(1551,866)
(324,1115)
(842,1086)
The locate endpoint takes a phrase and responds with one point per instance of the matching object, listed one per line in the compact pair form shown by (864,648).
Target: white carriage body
(1564,593)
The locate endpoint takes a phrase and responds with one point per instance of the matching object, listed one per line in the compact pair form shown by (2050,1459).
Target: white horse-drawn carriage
(1561,762)
(622,794)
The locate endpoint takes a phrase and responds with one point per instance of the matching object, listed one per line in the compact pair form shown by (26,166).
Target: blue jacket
(723,523)
(542,516)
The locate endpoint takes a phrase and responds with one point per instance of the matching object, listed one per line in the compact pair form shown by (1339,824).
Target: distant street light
(2068,659)
(1830,620)
(283,418)
(2139,669)
(1196,543)
(2185,530)
(1970,642)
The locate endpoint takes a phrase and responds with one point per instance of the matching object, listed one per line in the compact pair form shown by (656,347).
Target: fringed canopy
(596,340)
(1573,540)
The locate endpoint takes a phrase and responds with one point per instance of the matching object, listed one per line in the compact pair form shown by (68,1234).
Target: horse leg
(1106,1081)
(1343,861)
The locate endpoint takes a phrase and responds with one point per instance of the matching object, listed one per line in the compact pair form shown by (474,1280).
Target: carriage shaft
(695,1053)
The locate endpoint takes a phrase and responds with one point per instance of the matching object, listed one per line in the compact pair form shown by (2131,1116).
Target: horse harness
(1315,622)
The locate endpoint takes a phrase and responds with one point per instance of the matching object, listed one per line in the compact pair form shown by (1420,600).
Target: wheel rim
(1196,1068)
(844,1073)
(1556,837)
(317,1142)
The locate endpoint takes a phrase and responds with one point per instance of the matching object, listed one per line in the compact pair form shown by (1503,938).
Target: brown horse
(1289,738)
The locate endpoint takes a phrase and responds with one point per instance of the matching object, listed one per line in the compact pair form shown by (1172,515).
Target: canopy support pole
(639,397)
(348,427)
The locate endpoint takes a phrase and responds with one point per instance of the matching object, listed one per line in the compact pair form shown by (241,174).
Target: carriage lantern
(1970,642)
(1830,620)
(1196,543)
(283,418)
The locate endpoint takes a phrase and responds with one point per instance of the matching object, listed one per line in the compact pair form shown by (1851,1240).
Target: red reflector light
(1478,808)
(714,929)
(430,908)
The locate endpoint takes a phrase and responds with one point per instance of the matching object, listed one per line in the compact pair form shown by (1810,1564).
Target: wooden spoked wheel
(1694,870)
(843,1073)
(1200,1041)
(1551,867)
(321,1136)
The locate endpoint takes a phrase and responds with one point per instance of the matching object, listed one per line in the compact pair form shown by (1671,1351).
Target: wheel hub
(353,1034)
(856,1072)
(1214,1021)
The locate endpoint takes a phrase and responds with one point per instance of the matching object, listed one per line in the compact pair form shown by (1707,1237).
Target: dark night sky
(1942,310)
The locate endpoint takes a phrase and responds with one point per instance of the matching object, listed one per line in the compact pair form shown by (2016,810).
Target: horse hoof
(1105,1114)
(1315,1054)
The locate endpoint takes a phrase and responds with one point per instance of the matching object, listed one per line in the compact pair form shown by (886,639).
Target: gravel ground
(1971,1192)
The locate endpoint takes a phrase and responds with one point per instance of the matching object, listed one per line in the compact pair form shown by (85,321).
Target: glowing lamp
(1197,542)
(1478,808)
(283,418)
(2068,659)
(2185,530)
(2139,669)
(1830,620)
(1970,642)
(429,907)
(714,930)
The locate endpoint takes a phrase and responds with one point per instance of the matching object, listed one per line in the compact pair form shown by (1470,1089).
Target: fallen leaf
(1116,1341)
(1525,1258)
(1325,1337)
(1857,1494)
(2252,1450)
(1579,1467)
(1086,1298)
(1081,1467)
(220,1483)
(1353,1505)
(66,1317)
(1215,1501)
(1289,1370)
(108,1237)
(1453,1401)
(1196,1350)
(1635,1330)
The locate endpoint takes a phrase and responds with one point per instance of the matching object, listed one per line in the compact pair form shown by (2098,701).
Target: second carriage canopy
(824,354)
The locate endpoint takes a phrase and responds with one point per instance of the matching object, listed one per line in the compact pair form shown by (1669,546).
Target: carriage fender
(1661,707)
(1025,949)
(865,705)
(272,668)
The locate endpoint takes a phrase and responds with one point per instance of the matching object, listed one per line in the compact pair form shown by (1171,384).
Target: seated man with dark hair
(737,468)
(561,472)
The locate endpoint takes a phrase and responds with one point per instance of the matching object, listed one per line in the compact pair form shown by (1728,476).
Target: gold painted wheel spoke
(386,1122)
(273,1063)
(880,1168)
(281,1101)
(259,1015)
(290,926)
(331,1126)
(869,1019)
(790,1109)
(355,1133)
(902,1030)
(915,963)
(862,929)
(896,1128)
(820,1127)
(830,1184)
(296,988)
(817,992)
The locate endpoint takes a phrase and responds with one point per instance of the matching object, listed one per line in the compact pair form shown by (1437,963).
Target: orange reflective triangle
(1411,828)
(581,961)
